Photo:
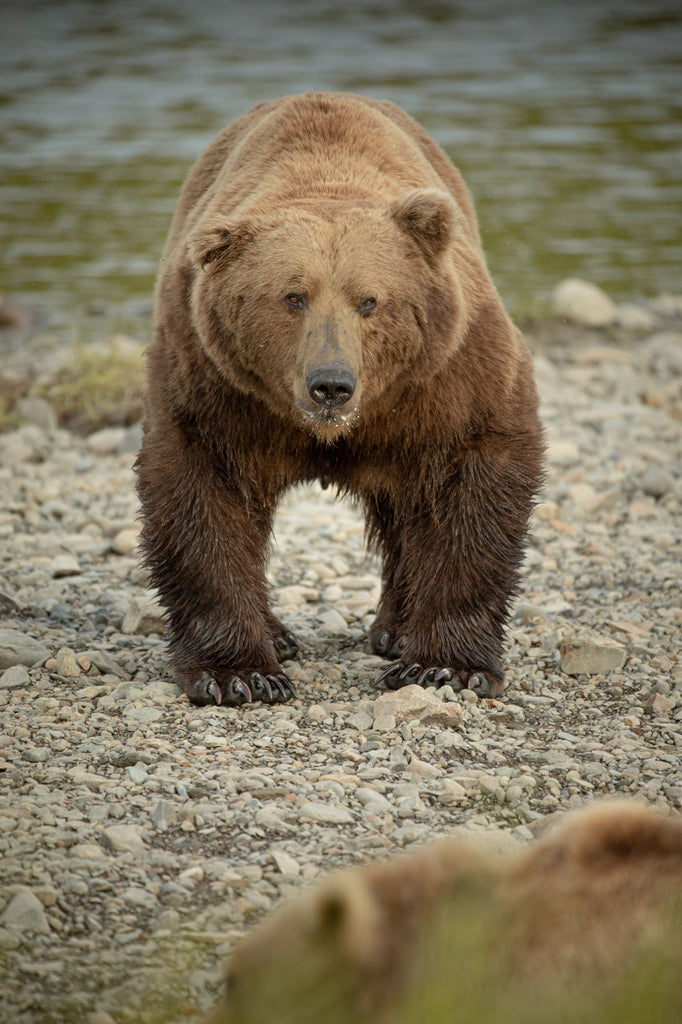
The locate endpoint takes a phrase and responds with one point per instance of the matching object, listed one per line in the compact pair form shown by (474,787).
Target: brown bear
(324,312)
(583,925)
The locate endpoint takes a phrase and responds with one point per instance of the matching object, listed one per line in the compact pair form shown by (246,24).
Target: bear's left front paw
(485,684)
(387,645)
(286,646)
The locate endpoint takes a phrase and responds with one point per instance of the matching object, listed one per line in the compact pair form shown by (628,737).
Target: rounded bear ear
(218,246)
(428,216)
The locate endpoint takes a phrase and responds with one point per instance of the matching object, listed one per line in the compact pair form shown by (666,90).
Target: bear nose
(331,386)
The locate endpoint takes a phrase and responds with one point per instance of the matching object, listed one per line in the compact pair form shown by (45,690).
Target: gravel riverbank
(140,837)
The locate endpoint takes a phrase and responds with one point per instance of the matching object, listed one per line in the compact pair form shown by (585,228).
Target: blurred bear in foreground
(583,925)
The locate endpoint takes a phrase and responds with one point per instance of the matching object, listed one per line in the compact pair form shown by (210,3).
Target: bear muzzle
(331,386)
(327,382)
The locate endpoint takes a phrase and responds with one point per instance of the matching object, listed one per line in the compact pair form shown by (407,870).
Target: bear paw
(286,646)
(484,684)
(232,691)
(387,645)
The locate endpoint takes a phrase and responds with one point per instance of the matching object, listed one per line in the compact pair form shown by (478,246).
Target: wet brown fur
(343,197)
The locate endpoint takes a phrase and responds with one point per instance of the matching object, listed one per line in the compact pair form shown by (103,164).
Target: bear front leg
(205,543)
(461,547)
(383,536)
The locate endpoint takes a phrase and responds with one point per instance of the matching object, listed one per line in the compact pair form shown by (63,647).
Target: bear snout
(331,386)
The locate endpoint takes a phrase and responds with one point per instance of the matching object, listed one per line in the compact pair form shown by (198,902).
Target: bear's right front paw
(232,691)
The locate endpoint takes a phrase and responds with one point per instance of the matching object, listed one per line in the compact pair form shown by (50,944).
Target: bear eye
(367,306)
(295,301)
(214,255)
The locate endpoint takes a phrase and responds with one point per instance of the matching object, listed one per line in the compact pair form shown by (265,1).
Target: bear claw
(286,646)
(479,683)
(386,647)
(399,674)
(237,692)
(284,685)
(260,688)
(205,691)
(271,689)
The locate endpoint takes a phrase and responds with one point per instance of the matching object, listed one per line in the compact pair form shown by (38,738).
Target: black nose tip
(331,386)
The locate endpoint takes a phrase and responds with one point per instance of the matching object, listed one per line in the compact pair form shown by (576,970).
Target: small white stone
(126,541)
(67,664)
(583,303)
(145,615)
(17,648)
(634,318)
(327,814)
(285,863)
(331,620)
(106,441)
(123,839)
(64,565)
(37,755)
(37,411)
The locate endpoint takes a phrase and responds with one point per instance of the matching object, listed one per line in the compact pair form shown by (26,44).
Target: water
(566,120)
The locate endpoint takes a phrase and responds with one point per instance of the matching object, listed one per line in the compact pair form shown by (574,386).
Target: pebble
(25,913)
(66,664)
(37,411)
(17,648)
(286,864)
(328,814)
(123,839)
(656,482)
(64,565)
(106,441)
(583,303)
(404,705)
(144,616)
(126,541)
(15,676)
(135,819)
(591,657)
(658,704)
(634,317)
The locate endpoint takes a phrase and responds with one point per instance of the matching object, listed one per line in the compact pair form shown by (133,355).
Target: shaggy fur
(563,920)
(326,237)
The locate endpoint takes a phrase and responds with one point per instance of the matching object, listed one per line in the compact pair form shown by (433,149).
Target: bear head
(331,309)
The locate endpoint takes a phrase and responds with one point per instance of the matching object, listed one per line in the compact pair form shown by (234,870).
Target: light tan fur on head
(355,205)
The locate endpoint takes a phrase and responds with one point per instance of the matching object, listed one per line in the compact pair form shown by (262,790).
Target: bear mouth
(329,423)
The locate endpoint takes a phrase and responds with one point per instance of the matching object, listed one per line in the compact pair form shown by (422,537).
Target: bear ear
(218,246)
(428,216)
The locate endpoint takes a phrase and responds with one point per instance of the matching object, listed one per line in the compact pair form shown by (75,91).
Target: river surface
(566,119)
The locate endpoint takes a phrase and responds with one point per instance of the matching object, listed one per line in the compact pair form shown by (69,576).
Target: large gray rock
(14,677)
(20,649)
(584,656)
(123,839)
(414,702)
(25,913)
